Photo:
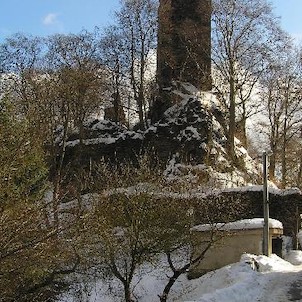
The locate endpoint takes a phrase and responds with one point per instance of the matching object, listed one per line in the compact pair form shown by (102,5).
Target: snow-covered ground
(275,280)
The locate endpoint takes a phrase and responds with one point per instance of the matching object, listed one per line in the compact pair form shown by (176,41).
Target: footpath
(295,290)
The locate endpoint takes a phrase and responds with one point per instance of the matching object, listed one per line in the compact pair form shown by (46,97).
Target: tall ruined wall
(184,43)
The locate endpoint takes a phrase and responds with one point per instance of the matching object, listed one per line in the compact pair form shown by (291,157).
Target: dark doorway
(277,246)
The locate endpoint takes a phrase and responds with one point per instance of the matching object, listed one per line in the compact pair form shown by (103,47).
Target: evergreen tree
(32,259)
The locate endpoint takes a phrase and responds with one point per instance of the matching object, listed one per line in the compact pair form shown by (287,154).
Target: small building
(230,241)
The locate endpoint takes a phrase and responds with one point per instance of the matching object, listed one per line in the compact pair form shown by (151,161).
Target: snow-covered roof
(245,224)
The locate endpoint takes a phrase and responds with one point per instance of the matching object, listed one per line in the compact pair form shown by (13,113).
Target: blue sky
(290,12)
(46,17)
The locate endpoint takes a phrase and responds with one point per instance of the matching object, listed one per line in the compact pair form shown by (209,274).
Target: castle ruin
(184,49)
(184,43)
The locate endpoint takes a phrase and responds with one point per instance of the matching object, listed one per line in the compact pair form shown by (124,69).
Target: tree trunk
(284,143)
(272,166)
(177,272)
(241,131)
(164,296)
(58,172)
(232,116)
(127,291)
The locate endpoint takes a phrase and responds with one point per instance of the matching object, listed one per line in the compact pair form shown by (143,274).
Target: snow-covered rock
(190,135)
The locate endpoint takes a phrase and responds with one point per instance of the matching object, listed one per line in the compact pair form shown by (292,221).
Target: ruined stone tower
(184,43)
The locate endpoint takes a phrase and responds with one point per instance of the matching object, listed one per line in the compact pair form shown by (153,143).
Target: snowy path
(282,286)
(295,290)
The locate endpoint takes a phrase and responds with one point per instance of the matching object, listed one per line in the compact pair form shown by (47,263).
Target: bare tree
(135,41)
(113,51)
(75,62)
(74,76)
(21,57)
(244,34)
(282,96)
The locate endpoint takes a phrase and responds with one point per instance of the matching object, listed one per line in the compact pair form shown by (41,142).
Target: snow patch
(294,257)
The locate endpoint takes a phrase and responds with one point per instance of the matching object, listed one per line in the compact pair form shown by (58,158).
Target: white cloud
(50,19)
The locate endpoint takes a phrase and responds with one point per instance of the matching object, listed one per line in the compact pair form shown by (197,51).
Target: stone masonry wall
(184,43)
